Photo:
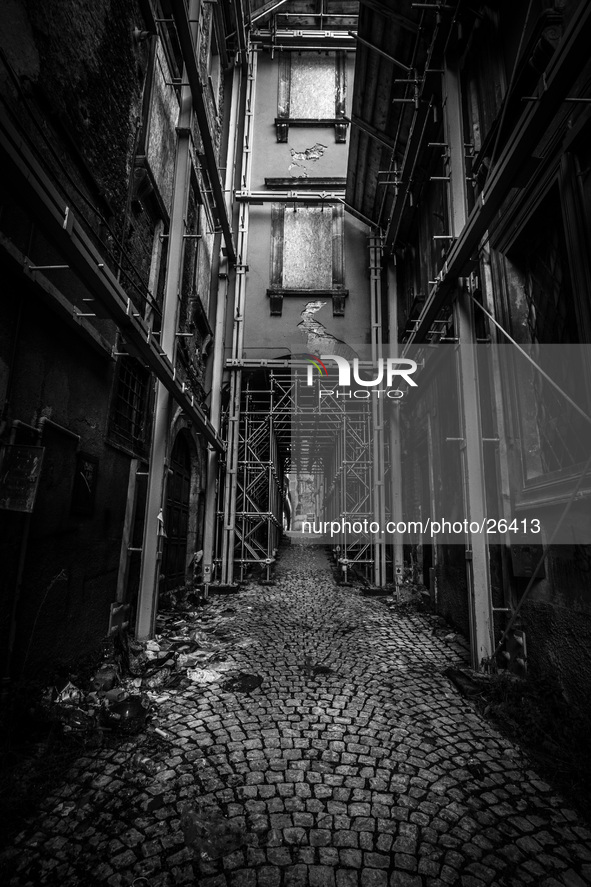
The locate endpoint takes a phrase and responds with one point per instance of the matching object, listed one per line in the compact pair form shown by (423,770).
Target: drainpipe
(215,417)
(45,420)
(219,342)
(157,472)
(394,430)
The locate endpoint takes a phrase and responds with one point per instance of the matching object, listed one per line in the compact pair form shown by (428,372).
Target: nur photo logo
(384,371)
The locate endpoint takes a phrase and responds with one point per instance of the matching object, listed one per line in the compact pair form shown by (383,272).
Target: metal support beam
(471,455)
(239,11)
(395,439)
(271,6)
(381,52)
(192,76)
(407,170)
(371,131)
(306,197)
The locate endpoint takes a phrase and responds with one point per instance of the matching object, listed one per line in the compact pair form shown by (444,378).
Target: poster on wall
(19,476)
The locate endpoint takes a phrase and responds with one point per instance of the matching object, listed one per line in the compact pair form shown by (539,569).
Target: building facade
(484,208)
(110,242)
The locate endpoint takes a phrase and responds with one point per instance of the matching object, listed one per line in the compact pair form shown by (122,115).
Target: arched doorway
(176,518)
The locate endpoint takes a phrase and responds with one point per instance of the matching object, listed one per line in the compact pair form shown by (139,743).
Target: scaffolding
(287,425)
(260,484)
(349,489)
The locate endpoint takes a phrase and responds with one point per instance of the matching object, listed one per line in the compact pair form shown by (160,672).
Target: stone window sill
(276,295)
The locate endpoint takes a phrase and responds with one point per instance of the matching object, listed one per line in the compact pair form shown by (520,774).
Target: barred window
(129,420)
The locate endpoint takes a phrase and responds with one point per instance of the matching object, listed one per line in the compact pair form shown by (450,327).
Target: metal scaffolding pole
(259,473)
(151,547)
(231,472)
(350,493)
(211,492)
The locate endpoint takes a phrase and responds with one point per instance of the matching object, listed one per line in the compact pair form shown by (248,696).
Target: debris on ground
(312,669)
(209,675)
(128,715)
(468,684)
(69,695)
(408,595)
(243,683)
(142,762)
(105,678)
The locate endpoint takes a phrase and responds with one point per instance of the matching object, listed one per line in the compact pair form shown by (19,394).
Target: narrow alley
(328,749)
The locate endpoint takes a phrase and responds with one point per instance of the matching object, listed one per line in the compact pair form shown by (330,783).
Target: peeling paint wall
(303,162)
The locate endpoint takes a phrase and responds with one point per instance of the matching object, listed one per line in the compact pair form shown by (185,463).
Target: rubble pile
(124,693)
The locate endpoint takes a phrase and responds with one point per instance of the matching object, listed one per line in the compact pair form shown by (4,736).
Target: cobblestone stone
(349,775)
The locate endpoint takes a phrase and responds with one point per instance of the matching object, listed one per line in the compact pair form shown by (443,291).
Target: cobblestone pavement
(354,764)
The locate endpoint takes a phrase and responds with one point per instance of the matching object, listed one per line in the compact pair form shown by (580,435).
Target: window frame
(337,291)
(284,120)
(137,445)
(556,486)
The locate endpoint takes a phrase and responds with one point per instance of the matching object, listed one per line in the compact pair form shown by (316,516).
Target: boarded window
(312,90)
(307,254)
(312,86)
(307,249)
